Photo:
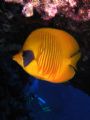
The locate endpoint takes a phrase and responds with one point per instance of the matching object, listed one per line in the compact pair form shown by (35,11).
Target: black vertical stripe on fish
(28,56)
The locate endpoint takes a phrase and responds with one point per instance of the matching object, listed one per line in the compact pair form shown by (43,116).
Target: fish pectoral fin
(74,59)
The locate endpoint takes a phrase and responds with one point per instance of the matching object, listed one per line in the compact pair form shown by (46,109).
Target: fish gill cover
(15,84)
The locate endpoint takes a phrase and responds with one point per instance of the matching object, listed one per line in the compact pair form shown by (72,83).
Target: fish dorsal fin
(28,56)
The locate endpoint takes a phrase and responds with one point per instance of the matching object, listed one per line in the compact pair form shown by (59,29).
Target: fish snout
(18,58)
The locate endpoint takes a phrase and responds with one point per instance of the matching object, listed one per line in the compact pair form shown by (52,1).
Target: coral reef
(78,10)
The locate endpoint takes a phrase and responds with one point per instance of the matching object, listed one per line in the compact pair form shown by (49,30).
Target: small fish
(38,103)
(49,54)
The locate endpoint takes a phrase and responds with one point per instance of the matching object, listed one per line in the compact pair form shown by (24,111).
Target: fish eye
(28,56)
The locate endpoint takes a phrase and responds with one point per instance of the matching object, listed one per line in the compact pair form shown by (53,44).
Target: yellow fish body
(49,54)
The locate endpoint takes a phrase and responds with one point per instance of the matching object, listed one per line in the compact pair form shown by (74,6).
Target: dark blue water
(66,102)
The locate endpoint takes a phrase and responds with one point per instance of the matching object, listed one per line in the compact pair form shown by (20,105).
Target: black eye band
(28,56)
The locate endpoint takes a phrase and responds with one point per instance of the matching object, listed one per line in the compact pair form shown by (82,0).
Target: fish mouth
(18,58)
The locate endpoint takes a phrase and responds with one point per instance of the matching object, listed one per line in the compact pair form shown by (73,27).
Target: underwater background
(22,97)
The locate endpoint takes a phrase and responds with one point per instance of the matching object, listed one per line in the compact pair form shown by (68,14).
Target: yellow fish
(49,54)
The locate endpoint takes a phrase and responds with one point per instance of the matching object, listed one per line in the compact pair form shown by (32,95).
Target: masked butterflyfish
(49,54)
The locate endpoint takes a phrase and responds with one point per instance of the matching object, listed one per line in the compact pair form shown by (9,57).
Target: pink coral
(15,1)
(28,9)
(78,10)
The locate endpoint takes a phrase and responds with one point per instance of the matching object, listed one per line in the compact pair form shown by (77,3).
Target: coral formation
(78,10)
